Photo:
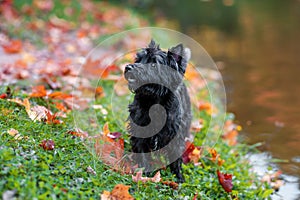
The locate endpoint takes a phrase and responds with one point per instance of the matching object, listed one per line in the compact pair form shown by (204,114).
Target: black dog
(160,115)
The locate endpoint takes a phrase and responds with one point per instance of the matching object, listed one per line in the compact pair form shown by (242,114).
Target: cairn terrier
(160,114)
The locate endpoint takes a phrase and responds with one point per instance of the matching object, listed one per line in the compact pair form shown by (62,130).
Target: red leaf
(189,149)
(225,180)
(195,196)
(47,144)
(15,46)
(3,96)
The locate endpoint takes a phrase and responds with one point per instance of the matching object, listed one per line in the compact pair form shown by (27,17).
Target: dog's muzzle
(129,76)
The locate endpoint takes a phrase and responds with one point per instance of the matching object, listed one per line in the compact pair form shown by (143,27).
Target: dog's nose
(128,67)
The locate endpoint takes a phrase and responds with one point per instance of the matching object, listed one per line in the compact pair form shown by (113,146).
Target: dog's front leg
(176,168)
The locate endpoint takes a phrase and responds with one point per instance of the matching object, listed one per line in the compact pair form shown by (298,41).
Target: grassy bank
(43,155)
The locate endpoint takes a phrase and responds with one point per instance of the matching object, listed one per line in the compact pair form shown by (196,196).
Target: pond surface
(256,45)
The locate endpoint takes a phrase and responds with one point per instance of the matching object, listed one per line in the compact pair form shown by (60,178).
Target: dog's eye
(153,65)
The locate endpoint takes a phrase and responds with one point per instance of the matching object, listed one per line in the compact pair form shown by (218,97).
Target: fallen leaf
(105,195)
(214,154)
(13,47)
(110,151)
(195,196)
(3,96)
(231,137)
(15,133)
(120,192)
(52,118)
(171,184)
(76,103)
(90,170)
(206,107)
(225,180)
(114,135)
(12,132)
(105,129)
(274,180)
(59,95)
(195,155)
(38,91)
(196,126)
(60,106)
(79,133)
(220,161)
(47,144)
(189,149)
(38,113)
(99,92)
(138,177)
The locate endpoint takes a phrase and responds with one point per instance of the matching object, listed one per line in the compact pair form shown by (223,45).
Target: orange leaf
(99,92)
(120,192)
(225,180)
(79,133)
(38,91)
(105,129)
(220,161)
(231,137)
(60,106)
(105,195)
(171,184)
(195,155)
(59,95)
(213,153)
(205,106)
(51,118)
(15,46)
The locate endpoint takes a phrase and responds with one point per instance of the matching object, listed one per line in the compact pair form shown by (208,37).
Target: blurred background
(257,49)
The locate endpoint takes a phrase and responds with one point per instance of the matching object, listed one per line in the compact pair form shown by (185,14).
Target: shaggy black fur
(160,114)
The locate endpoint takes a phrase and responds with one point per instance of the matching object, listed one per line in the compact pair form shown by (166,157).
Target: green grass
(61,173)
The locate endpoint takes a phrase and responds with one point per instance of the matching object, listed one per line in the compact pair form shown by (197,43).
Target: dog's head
(157,72)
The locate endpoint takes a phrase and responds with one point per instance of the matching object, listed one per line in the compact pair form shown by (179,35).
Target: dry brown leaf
(15,133)
(138,177)
(90,170)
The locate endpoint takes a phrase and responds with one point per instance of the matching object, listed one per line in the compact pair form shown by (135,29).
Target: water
(256,45)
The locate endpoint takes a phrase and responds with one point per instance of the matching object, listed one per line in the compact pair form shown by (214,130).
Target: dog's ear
(178,51)
(181,55)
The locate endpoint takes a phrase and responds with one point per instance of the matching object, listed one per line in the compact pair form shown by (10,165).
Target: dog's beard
(153,79)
